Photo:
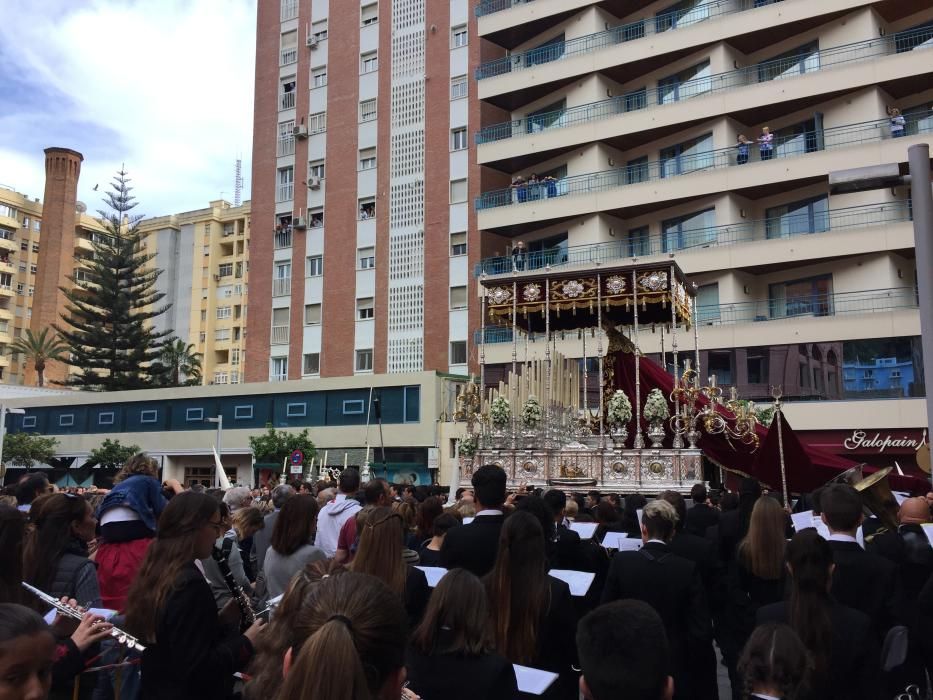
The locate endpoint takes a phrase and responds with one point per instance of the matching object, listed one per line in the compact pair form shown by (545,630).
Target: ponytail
(328,666)
(811,558)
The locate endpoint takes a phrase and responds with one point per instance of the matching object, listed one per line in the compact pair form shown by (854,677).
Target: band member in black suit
(671,585)
(703,515)
(474,546)
(861,580)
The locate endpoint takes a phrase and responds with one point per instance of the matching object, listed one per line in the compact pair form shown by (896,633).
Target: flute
(122,637)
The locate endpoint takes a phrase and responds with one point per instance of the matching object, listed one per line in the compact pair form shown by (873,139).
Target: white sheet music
(579,581)
(533,680)
(433,574)
(619,540)
(585,530)
(467,520)
(802,521)
(928,531)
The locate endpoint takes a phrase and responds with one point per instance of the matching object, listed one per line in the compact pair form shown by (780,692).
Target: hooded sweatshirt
(331,519)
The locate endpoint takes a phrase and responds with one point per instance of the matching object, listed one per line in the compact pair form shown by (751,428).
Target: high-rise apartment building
(705,131)
(360,188)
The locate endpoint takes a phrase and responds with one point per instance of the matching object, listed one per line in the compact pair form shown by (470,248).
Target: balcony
(612,252)
(286,101)
(288,10)
(767,71)
(620,34)
(283,239)
(281,287)
(8,240)
(685,164)
(288,56)
(285,192)
(765,310)
(279,335)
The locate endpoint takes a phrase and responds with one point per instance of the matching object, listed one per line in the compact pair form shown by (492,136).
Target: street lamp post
(3,413)
(219,420)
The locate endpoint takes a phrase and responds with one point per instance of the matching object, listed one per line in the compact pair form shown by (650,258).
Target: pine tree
(108,316)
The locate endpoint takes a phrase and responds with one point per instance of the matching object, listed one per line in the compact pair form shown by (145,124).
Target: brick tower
(56,251)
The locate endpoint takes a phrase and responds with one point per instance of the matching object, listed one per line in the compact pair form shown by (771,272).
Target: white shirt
(489,511)
(840,537)
(658,541)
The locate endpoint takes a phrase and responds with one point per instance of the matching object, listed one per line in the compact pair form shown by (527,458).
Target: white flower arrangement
(619,410)
(500,412)
(656,410)
(531,413)
(468,445)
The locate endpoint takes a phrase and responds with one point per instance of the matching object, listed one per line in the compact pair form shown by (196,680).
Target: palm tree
(40,349)
(182,361)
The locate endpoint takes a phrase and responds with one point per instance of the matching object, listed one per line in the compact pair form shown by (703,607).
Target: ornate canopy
(574,299)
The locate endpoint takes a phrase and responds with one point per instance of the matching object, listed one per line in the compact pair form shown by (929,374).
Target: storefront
(907,448)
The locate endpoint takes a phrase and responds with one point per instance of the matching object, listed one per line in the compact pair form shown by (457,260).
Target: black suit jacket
(474,546)
(566,550)
(699,518)
(854,659)
(458,677)
(867,583)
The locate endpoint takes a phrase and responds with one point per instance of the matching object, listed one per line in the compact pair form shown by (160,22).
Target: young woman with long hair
(774,664)
(347,642)
(839,639)
(292,543)
(532,614)
(379,553)
(428,511)
(55,554)
(453,642)
(12,532)
(170,608)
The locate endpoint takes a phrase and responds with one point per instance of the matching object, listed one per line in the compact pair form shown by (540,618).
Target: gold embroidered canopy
(574,299)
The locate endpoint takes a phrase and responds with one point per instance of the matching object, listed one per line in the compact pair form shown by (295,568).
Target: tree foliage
(182,364)
(109,312)
(40,349)
(111,454)
(28,449)
(273,446)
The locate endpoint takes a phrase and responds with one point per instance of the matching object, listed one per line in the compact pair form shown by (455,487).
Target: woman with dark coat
(452,644)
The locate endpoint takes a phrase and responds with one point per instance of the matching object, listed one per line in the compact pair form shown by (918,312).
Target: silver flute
(119,635)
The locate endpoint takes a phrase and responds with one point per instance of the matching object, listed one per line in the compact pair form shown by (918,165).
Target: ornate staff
(777,392)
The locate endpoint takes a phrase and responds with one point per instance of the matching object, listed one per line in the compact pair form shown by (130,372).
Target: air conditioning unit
(300,131)
(314,183)
(217,278)
(299,223)
(312,41)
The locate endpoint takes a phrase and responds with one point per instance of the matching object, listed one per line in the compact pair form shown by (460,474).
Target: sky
(164,87)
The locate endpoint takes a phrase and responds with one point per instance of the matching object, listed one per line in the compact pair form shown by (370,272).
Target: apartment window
(720,366)
(367,208)
(316,169)
(312,314)
(296,410)
(458,243)
(105,418)
(708,302)
(458,87)
(689,82)
(796,62)
(811,296)
(33,269)
(458,297)
(458,191)
(690,231)
(242,412)
(287,94)
(225,270)
(756,366)
(278,369)
(364,309)
(319,77)
(354,407)
(6,280)
(317,123)
(194,414)
(20,288)
(458,139)
(224,312)
(24,245)
(458,36)
(222,334)
(35,246)
(66,420)
(316,217)
(148,416)
(29,421)
(369,62)
(314,266)
(369,14)
(280,319)
(282,279)
(808,216)
(319,30)
(366,258)
(289,48)
(458,352)
(637,242)
(367,158)
(235,356)
(311,363)
(367,110)
(288,10)
(687,157)
(364,363)
(286,187)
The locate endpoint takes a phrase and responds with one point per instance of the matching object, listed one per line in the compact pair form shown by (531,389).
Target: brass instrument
(122,637)
(877,496)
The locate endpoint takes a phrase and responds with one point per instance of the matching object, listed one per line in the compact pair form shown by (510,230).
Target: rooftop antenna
(238,183)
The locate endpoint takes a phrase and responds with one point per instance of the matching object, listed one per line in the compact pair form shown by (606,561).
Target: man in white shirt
(335,513)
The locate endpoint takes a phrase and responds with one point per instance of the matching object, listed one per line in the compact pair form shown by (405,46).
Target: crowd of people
(322,591)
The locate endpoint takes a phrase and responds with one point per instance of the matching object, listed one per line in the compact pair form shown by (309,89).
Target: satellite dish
(80,207)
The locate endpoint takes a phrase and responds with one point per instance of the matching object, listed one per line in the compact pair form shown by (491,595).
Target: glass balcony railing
(816,305)
(688,162)
(787,226)
(664,22)
(669,93)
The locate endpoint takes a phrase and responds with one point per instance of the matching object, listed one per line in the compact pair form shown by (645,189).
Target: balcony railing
(665,22)
(286,146)
(778,69)
(279,335)
(283,239)
(7,235)
(281,287)
(288,56)
(289,10)
(286,192)
(287,100)
(686,163)
(786,226)
(815,305)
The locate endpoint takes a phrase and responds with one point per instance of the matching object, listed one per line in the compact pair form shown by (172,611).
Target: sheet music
(619,540)
(928,531)
(433,573)
(802,521)
(579,581)
(467,520)
(585,530)
(533,680)
(638,513)
(900,497)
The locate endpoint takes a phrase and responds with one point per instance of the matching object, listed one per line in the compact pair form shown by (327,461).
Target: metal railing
(288,56)
(281,287)
(287,100)
(283,239)
(762,311)
(7,235)
(288,10)
(286,146)
(279,335)
(623,33)
(777,69)
(683,164)
(285,192)
(700,238)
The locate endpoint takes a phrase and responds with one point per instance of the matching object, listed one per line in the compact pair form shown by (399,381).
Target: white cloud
(164,86)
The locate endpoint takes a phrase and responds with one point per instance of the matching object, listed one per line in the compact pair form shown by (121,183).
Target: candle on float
(326,453)
(344,460)
(712,381)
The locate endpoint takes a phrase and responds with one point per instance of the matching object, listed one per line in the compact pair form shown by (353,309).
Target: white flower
(468,446)
(619,410)
(531,412)
(500,412)
(656,409)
